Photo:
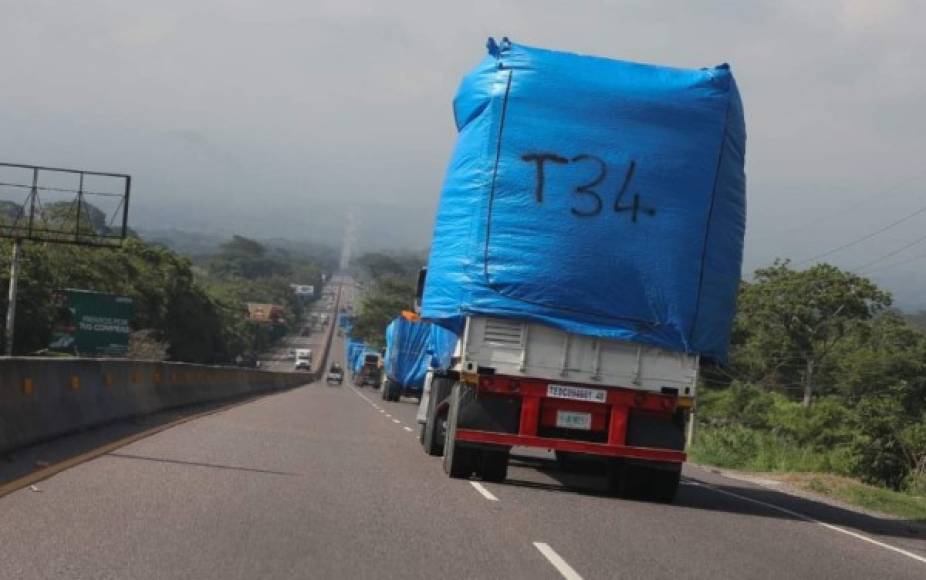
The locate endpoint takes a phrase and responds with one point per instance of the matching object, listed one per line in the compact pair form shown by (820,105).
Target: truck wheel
(385,391)
(432,438)
(459,461)
(493,465)
(433,435)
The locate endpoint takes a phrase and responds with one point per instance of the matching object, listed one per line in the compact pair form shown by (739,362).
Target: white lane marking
(382,411)
(396,421)
(408,429)
(388,415)
(807,518)
(483,491)
(364,397)
(561,566)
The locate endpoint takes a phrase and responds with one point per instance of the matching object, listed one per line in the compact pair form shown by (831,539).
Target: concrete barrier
(43,398)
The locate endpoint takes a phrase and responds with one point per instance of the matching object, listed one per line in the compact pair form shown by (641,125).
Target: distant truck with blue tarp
(586,255)
(365,364)
(411,347)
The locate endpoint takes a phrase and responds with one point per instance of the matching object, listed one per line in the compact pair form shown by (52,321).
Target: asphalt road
(330,482)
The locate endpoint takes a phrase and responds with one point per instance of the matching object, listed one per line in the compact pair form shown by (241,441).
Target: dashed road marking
(807,518)
(396,421)
(483,491)
(388,415)
(409,429)
(382,411)
(561,565)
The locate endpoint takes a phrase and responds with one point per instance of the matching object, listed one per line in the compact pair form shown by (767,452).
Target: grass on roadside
(852,492)
(775,458)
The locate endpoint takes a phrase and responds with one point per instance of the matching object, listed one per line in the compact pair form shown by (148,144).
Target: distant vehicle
(335,374)
(370,374)
(303,360)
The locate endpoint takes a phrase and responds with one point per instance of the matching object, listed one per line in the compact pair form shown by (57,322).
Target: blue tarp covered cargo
(602,197)
(407,359)
(355,350)
(414,346)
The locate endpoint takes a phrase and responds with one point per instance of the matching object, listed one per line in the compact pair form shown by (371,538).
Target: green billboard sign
(93,323)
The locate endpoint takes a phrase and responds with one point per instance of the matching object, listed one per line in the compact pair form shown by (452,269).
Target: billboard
(92,323)
(266,312)
(303,289)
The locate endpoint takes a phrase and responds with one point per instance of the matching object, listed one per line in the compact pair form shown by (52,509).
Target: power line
(849,208)
(865,237)
(900,263)
(891,253)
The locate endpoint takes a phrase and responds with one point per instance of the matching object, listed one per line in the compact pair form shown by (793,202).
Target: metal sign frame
(31,223)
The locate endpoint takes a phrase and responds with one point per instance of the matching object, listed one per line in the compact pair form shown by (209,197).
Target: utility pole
(11,301)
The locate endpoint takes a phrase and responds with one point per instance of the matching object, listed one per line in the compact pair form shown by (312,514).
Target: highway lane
(706,533)
(279,359)
(323,482)
(303,484)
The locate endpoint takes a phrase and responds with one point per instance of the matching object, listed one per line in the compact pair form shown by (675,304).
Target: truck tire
(385,391)
(433,435)
(493,465)
(459,461)
(395,392)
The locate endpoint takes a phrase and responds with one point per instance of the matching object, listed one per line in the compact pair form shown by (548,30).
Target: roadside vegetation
(823,377)
(388,288)
(184,311)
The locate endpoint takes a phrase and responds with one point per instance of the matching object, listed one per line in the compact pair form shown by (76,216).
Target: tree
(382,303)
(790,321)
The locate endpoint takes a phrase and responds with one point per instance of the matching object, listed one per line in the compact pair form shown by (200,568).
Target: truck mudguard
(602,197)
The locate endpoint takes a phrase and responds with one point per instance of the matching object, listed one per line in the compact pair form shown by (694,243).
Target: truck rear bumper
(602,449)
(497,410)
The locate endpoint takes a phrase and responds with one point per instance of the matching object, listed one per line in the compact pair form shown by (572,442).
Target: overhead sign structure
(93,324)
(62,206)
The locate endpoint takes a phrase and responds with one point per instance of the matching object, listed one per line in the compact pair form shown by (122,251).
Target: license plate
(574,420)
(577,393)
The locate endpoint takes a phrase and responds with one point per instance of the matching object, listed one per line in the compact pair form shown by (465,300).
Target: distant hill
(198,244)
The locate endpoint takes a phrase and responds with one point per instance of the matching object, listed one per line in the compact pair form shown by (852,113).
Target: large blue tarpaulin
(602,197)
(412,347)
(355,350)
(407,358)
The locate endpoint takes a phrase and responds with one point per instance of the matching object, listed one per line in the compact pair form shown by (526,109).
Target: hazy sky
(271,117)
